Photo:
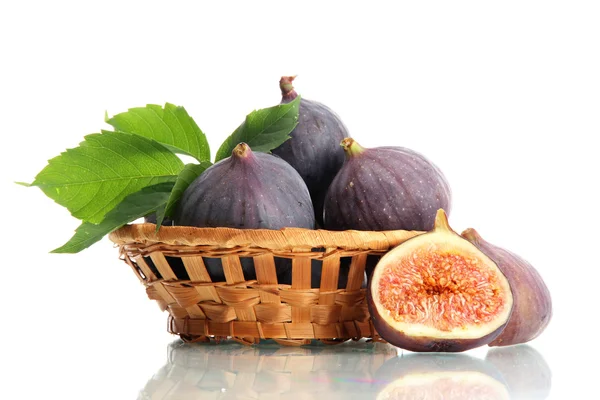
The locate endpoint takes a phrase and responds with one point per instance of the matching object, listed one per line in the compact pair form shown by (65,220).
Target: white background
(504,97)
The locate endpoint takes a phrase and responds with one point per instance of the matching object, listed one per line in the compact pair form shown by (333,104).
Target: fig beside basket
(248,311)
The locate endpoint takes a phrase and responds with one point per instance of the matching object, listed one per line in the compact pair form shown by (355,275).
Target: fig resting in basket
(296,284)
(234,249)
(288,284)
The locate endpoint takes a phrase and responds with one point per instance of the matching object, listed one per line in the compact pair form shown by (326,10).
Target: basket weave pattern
(247,311)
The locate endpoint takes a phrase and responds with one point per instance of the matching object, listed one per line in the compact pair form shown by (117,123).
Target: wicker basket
(247,311)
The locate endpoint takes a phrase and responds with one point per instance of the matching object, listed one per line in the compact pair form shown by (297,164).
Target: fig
(385,188)
(313,149)
(532,308)
(438,292)
(248,191)
(439,376)
(151,219)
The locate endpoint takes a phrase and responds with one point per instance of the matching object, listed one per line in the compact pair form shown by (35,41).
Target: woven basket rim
(287,239)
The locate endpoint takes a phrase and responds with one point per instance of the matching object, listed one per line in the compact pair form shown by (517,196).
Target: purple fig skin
(313,149)
(423,344)
(532,307)
(249,191)
(151,219)
(385,188)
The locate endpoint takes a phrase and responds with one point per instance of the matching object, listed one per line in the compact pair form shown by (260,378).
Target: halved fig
(532,309)
(440,376)
(438,292)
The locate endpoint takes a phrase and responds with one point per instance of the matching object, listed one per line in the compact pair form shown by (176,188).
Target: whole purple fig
(385,188)
(532,308)
(249,191)
(314,149)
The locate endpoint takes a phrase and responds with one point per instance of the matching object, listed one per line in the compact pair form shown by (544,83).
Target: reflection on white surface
(515,372)
(353,370)
(526,373)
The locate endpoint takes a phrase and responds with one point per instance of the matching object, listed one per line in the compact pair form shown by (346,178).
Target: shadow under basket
(264,285)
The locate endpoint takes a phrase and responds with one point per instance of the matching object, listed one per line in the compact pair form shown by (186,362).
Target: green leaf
(263,130)
(91,179)
(169,125)
(136,205)
(186,176)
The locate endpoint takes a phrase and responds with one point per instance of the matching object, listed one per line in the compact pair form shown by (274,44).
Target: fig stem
(242,150)
(351,147)
(287,88)
(441,221)
(471,235)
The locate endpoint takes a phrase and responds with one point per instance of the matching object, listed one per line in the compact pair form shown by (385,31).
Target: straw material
(170,264)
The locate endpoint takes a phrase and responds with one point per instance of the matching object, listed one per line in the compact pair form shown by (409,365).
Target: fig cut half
(438,293)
